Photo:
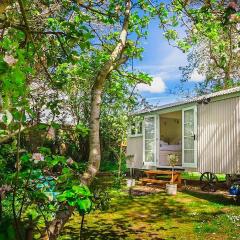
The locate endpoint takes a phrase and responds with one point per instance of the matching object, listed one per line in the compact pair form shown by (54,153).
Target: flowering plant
(37,157)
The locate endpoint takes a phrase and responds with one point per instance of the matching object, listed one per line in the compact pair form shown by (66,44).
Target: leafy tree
(53,53)
(212,37)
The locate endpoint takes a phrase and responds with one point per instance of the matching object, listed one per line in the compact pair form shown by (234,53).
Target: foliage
(189,214)
(78,196)
(67,64)
(44,181)
(211,38)
(51,56)
(7,230)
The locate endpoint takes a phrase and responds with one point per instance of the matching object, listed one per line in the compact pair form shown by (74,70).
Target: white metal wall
(219,136)
(135,147)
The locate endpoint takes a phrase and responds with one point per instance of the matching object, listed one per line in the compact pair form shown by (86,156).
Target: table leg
(179,179)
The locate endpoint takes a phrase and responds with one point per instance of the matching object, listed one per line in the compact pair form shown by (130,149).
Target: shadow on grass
(132,217)
(150,217)
(97,233)
(212,197)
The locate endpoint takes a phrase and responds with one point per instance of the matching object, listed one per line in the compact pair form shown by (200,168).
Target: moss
(188,215)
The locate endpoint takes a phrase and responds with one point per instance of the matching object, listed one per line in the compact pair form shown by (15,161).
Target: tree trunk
(94,138)
(114,62)
(227,79)
(116,59)
(55,227)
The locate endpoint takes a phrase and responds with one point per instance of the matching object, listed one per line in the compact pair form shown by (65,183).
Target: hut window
(133,128)
(136,129)
(139,128)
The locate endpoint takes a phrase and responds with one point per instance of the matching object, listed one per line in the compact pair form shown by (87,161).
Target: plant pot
(171,189)
(130,182)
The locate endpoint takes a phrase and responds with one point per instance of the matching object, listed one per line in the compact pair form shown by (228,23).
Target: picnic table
(152,177)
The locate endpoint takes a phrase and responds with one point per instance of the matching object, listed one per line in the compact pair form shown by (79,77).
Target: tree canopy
(66,69)
(212,40)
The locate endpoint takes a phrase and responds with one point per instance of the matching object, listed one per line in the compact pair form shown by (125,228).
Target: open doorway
(170,137)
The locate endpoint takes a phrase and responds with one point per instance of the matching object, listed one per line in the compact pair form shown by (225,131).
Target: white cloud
(196,76)
(164,64)
(175,57)
(157,86)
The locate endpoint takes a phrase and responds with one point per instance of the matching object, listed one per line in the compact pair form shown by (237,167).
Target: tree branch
(94,10)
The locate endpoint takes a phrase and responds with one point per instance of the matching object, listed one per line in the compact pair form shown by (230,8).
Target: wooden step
(151,180)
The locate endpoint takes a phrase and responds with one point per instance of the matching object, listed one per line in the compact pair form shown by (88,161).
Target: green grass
(197,175)
(189,215)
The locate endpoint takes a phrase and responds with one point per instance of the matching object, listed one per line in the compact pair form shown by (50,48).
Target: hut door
(149,140)
(189,143)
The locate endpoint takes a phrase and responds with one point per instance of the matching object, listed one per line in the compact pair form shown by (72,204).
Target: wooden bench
(153,174)
(152,180)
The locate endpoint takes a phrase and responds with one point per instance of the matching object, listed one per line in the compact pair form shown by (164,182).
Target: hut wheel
(208,182)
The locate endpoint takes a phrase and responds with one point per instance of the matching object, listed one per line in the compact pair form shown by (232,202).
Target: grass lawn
(189,215)
(197,175)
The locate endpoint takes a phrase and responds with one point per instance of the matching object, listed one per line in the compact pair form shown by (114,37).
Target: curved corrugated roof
(190,100)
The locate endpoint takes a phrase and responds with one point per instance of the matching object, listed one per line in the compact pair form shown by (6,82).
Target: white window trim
(136,134)
(155,147)
(190,165)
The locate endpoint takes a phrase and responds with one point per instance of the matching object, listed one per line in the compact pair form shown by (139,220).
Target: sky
(162,62)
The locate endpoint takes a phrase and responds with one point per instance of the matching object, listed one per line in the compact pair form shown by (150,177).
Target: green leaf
(3,67)
(32,213)
(19,76)
(42,126)
(71,203)
(82,190)
(66,171)
(25,158)
(57,159)
(45,150)
(61,198)
(84,206)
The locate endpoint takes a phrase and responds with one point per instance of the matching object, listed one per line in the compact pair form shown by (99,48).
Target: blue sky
(162,62)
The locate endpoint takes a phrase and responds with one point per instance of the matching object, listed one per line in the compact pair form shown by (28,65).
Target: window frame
(138,126)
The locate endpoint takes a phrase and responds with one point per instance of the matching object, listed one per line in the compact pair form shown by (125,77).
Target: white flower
(10,60)
(70,161)
(37,157)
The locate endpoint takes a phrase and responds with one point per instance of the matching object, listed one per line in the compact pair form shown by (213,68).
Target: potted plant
(171,188)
